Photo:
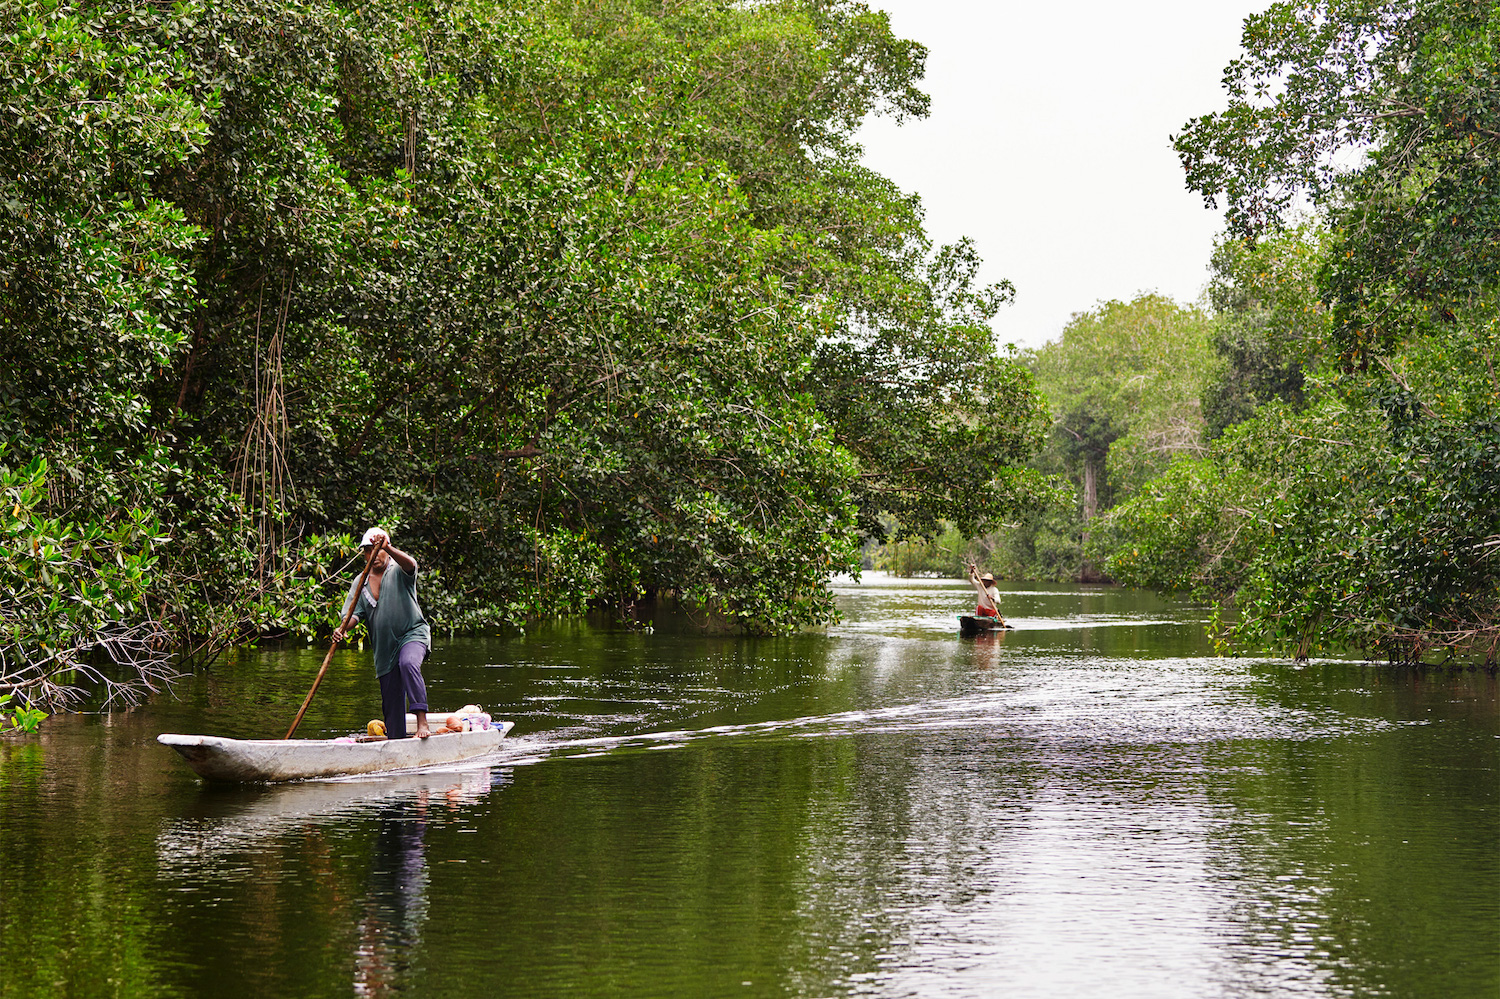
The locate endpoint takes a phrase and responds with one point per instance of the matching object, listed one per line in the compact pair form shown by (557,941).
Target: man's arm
(353,602)
(406,562)
(985,600)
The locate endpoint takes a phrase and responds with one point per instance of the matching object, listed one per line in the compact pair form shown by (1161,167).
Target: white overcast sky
(1049,143)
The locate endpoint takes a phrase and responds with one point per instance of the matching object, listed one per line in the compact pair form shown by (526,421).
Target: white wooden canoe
(273,760)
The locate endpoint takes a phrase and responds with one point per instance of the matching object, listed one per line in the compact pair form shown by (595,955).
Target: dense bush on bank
(580,301)
(1357,502)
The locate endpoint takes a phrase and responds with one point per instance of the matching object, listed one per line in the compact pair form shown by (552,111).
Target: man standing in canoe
(398,632)
(989,594)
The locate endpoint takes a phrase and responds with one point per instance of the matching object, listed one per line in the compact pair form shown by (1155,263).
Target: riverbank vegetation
(591,302)
(584,302)
(1358,506)
(1344,489)
(1316,448)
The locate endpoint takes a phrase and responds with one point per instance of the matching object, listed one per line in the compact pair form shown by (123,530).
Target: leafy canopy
(584,301)
(1381,113)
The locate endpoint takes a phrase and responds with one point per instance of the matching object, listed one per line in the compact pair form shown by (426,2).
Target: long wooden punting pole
(348,616)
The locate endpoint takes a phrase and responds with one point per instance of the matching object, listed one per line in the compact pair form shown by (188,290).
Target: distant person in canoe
(989,594)
(398,632)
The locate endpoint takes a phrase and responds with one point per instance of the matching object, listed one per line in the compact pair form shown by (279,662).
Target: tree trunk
(1086,571)
(1090,492)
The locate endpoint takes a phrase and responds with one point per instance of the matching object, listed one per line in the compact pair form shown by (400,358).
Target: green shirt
(394,619)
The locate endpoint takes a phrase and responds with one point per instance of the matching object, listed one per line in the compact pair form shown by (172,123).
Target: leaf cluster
(1380,113)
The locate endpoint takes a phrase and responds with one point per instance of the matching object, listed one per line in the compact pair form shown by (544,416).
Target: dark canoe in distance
(970,625)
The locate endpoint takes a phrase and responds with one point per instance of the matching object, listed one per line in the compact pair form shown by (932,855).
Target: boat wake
(1173,717)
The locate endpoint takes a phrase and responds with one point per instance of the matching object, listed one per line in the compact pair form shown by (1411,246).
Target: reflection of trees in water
(350,854)
(395,909)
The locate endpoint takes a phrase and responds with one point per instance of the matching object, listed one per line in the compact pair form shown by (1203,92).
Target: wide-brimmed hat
(986,578)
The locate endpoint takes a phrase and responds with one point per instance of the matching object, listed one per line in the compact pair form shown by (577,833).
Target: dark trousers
(401,688)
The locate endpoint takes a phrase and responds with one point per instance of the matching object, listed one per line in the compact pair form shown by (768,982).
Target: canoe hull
(274,760)
(969,625)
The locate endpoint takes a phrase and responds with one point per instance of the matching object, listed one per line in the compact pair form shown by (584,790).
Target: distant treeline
(582,301)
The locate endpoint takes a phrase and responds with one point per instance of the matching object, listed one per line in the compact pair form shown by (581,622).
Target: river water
(1089,805)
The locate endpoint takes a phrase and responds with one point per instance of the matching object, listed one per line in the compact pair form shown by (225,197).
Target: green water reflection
(1091,805)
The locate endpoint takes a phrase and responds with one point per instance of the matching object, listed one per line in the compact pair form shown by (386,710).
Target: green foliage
(588,302)
(1366,521)
(97,290)
(1385,543)
(1356,507)
(1192,529)
(1380,112)
(23,718)
(1123,386)
(1045,544)
(74,612)
(1268,322)
(947,553)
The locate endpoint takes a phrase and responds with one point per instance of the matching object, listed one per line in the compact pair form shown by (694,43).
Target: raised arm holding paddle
(989,594)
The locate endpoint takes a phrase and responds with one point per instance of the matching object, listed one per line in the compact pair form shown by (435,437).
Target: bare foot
(423,731)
